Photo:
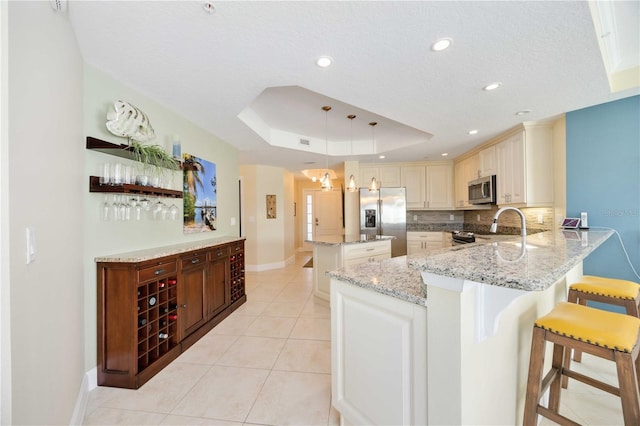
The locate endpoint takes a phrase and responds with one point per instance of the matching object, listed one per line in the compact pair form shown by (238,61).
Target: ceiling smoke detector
(58,5)
(208,7)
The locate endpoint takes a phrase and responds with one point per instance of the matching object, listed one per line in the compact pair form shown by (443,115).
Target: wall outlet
(233,221)
(415,217)
(451,217)
(478,218)
(540,219)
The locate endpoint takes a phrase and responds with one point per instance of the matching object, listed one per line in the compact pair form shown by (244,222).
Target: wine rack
(236,272)
(152,309)
(157,320)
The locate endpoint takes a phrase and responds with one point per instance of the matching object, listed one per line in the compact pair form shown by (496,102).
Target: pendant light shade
(327,185)
(352,186)
(374,186)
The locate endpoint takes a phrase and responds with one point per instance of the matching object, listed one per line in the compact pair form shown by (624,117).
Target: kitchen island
(335,251)
(444,337)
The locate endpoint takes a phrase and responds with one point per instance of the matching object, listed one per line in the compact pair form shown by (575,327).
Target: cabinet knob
(194,261)
(184,305)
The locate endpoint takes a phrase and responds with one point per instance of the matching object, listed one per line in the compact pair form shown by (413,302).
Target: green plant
(153,155)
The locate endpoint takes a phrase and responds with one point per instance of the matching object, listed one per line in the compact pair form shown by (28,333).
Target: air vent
(304,142)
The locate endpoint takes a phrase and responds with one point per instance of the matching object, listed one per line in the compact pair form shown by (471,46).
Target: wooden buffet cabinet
(154,304)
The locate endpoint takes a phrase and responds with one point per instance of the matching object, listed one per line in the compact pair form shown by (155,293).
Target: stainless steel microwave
(483,190)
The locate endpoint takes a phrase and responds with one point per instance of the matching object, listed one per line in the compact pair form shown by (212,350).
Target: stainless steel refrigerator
(384,212)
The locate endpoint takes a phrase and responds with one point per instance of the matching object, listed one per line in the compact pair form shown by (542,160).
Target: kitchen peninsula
(444,337)
(335,251)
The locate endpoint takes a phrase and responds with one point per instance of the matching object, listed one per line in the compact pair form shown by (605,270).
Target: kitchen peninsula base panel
(379,348)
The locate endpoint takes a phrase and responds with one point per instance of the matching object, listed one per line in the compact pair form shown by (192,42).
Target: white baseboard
(269,266)
(89,382)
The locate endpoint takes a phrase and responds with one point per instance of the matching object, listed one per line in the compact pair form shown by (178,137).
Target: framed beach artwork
(200,195)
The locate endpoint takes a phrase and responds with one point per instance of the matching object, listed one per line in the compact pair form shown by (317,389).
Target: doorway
(322,215)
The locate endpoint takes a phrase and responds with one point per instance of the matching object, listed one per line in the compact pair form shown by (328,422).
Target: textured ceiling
(214,68)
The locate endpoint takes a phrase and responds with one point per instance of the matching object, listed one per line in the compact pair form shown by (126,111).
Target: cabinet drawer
(236,247)
(219,253)
(153,270)
(195,259)
(364,259)
(366,250)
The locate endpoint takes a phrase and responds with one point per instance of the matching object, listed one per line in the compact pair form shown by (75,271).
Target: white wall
(270,242)
(46,188)
(109,237)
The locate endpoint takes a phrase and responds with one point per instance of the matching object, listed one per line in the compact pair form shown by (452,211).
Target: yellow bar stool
(606,290)
(600,333)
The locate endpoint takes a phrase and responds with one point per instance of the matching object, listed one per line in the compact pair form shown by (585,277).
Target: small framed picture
(271,206)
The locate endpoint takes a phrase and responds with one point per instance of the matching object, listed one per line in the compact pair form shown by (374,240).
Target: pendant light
(352,186)
(373,186)
(327,185)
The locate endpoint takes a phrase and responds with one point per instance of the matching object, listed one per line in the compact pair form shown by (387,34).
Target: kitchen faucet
(523,223)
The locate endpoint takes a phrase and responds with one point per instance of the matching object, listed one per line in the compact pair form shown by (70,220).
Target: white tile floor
(269,363)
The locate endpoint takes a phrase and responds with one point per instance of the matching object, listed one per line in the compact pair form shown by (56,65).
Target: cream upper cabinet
(413,179)
(428,186)
(439,185)
(525,167)
(387,176)
(465,171)
(488,161)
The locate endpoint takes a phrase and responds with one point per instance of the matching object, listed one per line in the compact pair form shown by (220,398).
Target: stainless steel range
(462,237)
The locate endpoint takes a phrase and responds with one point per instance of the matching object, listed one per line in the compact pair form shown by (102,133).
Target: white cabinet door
(465,171)
(413,179)
(487,161)
(387,176)
(510,179)
(439,185)
(390,176)
(366,173)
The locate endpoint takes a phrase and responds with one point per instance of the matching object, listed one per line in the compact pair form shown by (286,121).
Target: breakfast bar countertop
(501,262)
(546,257)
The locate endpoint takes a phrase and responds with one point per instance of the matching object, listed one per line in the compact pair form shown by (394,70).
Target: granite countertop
(391,277)
(546,258)
(335,240)
(498,260)
(157,252)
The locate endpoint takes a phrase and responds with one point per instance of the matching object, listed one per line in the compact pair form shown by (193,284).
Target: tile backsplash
(479,220)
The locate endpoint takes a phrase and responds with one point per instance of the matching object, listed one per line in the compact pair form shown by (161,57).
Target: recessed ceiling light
(324,61)
(441,44)
(473,132)
(492,86)
(444,154)
(523,112)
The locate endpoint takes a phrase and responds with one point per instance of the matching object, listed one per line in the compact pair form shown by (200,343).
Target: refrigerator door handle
(379,230)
